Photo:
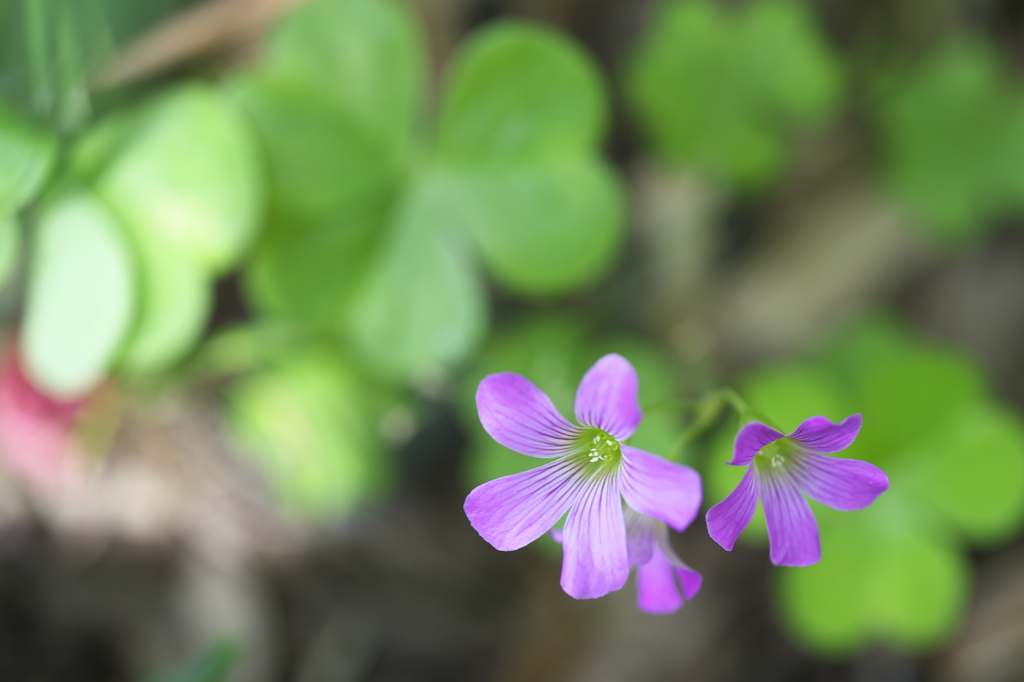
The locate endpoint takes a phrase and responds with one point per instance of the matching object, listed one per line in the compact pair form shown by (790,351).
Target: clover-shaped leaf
(80,299)
(952,129)
(181,174)
(955,461)
(724,88)
(511,173)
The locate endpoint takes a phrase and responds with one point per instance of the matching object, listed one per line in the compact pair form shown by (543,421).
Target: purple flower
(591,472)
(660,572)
(784,468)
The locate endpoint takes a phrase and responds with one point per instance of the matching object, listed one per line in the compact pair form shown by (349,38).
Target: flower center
(599,447)
(774,454)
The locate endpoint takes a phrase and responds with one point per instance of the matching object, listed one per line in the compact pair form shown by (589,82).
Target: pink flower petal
(843,484)
(594,537)
(513,511)
(654,486)
(656,581)
(727,519)
(656,588)
(608,397)
(792,529)
(518,415)
(818,434)
(751,438)
(691,581)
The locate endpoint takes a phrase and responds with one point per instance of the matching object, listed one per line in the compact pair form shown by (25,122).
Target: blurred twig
(197,31)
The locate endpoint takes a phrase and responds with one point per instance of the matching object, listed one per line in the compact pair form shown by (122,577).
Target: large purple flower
(782,469)
(591,472)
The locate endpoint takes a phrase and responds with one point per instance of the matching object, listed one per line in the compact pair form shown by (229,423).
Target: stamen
(603,448)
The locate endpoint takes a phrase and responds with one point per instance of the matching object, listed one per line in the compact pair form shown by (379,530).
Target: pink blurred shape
(35,429)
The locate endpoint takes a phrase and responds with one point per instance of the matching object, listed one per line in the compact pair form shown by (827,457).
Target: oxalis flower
(592,475)
(782,469)
(660,572)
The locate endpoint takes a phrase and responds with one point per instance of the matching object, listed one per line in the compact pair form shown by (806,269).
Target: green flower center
(599,448)
(775,454)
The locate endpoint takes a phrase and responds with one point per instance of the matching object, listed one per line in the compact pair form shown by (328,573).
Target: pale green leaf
(175,297)
(190,179)
(308,422)
(80,297)
(901,587)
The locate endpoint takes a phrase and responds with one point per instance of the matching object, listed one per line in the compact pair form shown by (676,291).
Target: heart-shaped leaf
(190,178)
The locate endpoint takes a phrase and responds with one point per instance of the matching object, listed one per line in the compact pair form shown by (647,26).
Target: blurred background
(256,254)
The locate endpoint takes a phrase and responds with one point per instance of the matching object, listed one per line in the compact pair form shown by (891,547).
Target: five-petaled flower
(782,469)
(591,474)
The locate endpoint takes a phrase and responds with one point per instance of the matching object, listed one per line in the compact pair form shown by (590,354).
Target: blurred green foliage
(379,217)
(211,665)
(723,89)
(952,128)
(895,572)
(27,153)
(159,200)
(311,419)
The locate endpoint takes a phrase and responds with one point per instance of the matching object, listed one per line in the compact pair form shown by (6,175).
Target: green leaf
(519,92)
(955,462)
(724,88)
(902,587)
(523,114)
(27,154)
(365,55)
(308,276)
(953,139)
(10,244)
(542,229)
(972,473)
(309,422)
(190,178)
(80,297)
(211,665)
(175,296)
(421,308)
(335,103)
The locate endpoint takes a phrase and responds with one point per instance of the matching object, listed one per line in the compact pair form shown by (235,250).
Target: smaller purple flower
(660,572)
(782,469)
(591,475)
(663,580)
